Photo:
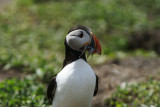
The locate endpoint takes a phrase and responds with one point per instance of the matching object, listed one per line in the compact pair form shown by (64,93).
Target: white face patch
(75,41)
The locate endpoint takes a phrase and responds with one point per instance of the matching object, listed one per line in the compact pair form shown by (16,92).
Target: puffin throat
(72,55)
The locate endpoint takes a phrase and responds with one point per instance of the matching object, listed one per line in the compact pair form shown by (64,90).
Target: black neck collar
(72,55)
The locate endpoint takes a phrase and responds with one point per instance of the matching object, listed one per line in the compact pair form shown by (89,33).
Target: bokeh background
(32,34)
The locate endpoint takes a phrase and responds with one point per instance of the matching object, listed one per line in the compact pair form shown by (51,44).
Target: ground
(113,73)
(118,72)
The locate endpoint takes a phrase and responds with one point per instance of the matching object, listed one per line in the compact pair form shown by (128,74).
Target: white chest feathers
(75,85)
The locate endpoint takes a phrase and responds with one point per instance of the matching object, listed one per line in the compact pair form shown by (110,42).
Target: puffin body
(76,84)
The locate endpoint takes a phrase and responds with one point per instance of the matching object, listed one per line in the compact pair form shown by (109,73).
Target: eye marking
(81,35)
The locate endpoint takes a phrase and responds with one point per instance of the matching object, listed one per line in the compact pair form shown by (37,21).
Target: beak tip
(97,45)
(99,52)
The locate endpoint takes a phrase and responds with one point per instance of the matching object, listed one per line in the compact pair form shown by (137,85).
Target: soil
(7,74)
(118,72)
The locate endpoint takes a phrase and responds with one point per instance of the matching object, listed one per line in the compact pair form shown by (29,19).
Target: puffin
(76,84)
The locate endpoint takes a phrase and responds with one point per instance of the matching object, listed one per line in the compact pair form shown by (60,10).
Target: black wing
(96,87)
(51,89)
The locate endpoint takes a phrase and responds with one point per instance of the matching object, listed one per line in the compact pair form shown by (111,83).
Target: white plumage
(75,85)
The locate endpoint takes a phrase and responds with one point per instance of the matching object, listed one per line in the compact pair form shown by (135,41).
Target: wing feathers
(51,89)
(96,87)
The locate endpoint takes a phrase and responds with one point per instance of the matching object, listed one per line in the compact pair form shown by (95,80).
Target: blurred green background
(32,36)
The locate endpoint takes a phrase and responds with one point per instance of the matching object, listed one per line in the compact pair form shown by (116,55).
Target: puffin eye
(81,35)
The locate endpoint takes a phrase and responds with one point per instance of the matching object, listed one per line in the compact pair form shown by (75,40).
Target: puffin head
(81,38)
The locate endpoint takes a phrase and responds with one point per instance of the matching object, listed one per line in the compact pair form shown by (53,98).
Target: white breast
(75,85)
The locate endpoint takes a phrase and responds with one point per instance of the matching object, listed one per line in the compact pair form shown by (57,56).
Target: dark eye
(81,35)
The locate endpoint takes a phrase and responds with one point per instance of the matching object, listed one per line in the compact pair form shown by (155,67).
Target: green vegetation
(27,92)
(32,35)
(144,94)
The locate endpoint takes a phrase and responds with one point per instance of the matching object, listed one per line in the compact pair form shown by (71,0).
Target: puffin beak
(94,47)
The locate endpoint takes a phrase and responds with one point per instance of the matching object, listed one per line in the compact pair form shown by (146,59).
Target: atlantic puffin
(76,84)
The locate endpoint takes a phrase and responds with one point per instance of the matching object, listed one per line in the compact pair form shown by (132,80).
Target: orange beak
(94,47)
(97,46)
